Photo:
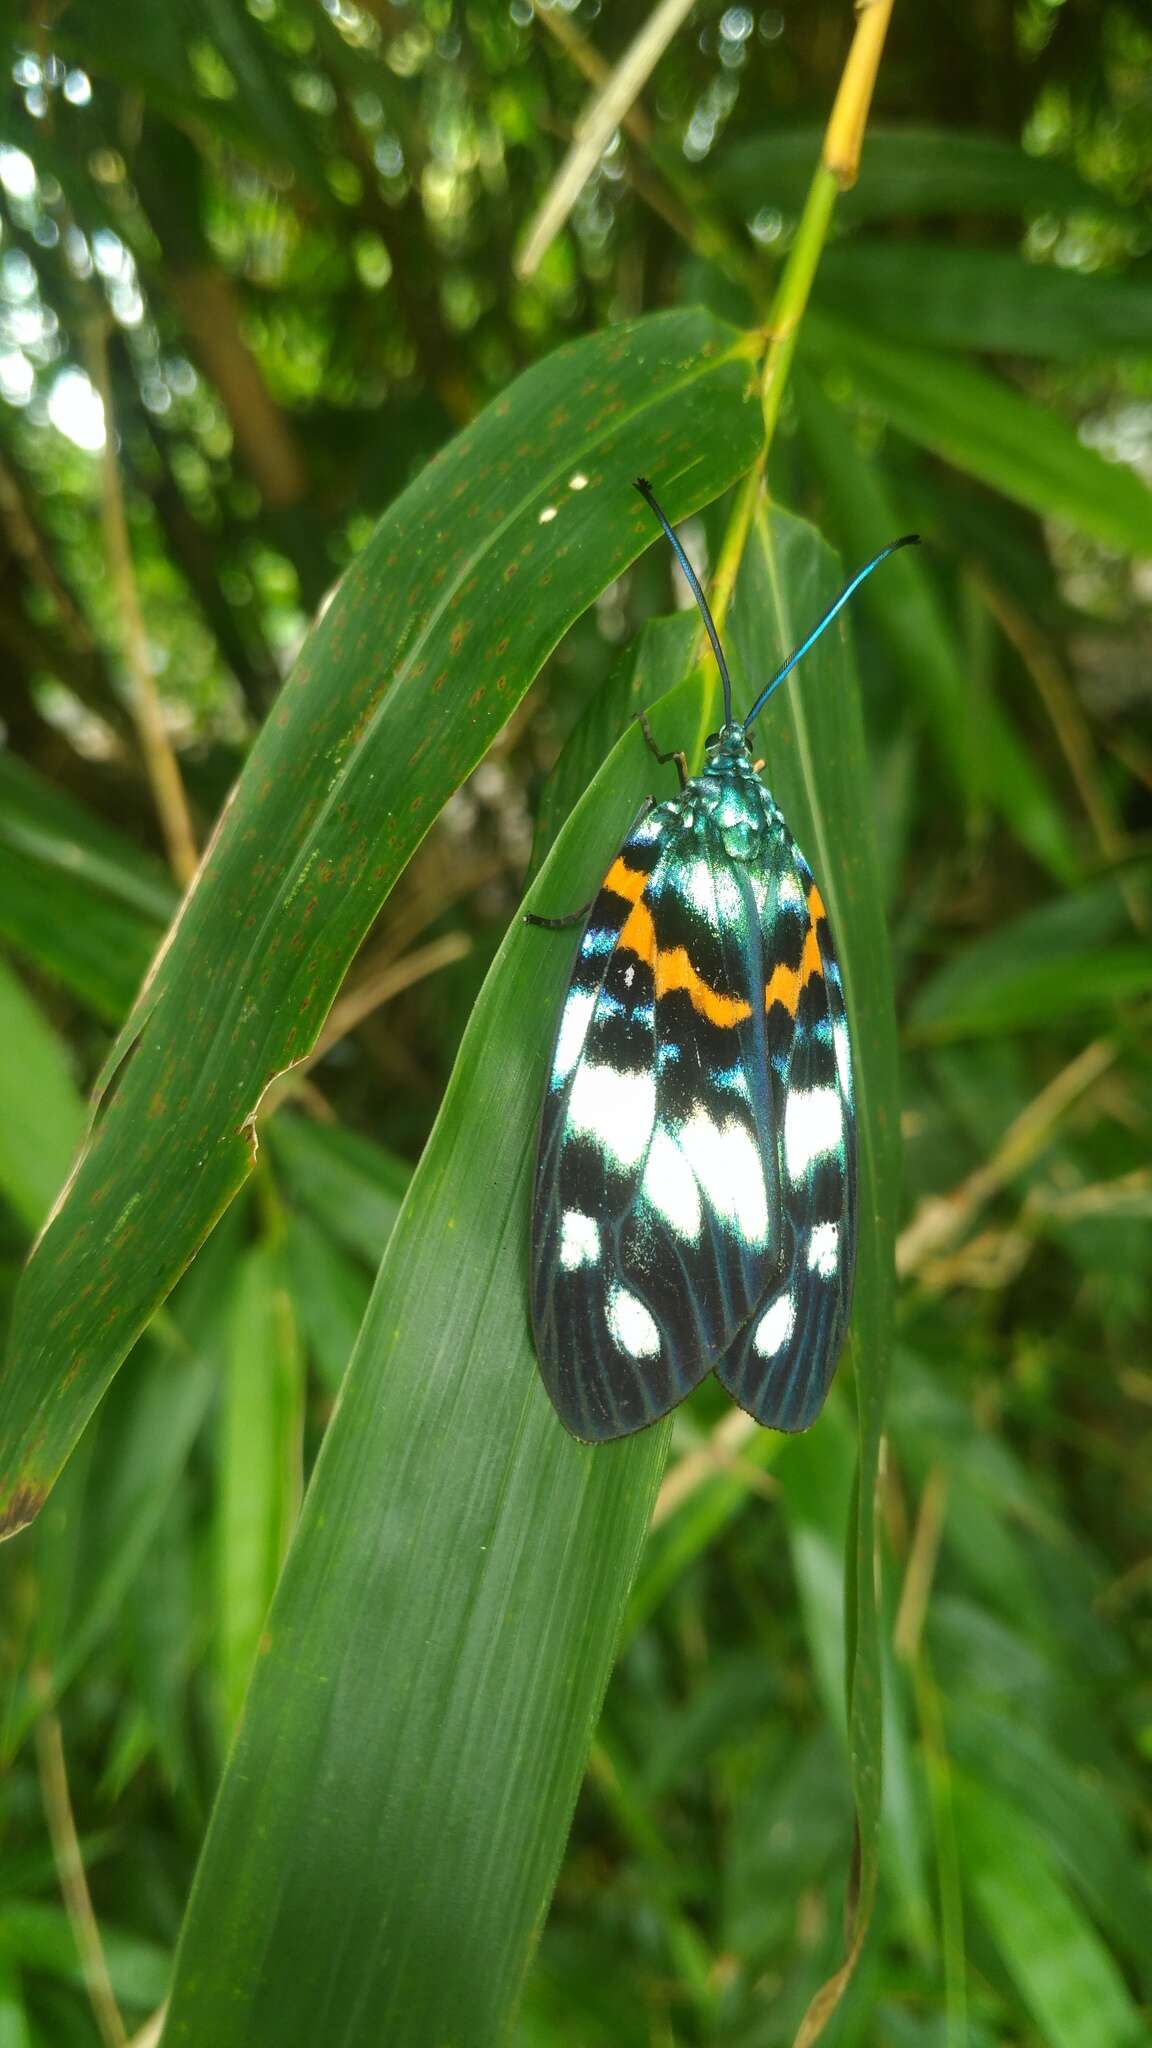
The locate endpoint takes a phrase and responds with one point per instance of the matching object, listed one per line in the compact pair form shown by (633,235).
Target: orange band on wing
(638,933)
(787,983)
(673,969)
(625,881)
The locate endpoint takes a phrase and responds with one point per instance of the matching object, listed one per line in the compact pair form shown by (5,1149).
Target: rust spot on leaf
(23,1507)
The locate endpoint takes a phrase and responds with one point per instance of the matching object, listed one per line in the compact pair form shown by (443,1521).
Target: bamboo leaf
(442,1634)
(1065,1976)
(436,631)
(911,173)
(813,739)
(77,899)
(970,730)
(259,1482)
(1057,960)
(41,1111)
(980,424)
(990,300)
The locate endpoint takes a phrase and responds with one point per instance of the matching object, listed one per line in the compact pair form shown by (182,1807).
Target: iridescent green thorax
(729,794)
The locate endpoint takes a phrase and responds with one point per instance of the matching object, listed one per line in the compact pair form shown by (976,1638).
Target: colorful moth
(695,1195)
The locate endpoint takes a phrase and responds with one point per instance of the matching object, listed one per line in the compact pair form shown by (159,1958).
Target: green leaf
(1065,1976)
(82,903)
(971,732)
(911,173)
(980,424)
(1070,1809)
(817,766)
(154,51)
(437,1650)
(15,2031)
(676,1544)
(664,645)
(436,631)
(348,1183)
(41,1111)
(260,1471)
(414,1734)
(1050,963)
(1029,997)
(41,1938)
(985,299)
(93,1544)
(329,1294)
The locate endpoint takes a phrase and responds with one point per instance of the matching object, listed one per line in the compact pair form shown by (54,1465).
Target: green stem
(792,294)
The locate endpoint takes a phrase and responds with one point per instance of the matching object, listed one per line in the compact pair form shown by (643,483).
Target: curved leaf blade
(912,173)
(817,766)
(414,1735)
(485,560)
(990,300)
(983,427)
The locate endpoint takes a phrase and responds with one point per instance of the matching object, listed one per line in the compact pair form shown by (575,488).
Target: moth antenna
(645,489)
(906,540)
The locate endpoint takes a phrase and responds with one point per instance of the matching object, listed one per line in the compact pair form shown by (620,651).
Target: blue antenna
(906,540)
(645,490)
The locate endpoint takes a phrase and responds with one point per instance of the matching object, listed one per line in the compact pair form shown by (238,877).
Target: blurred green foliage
(291,229)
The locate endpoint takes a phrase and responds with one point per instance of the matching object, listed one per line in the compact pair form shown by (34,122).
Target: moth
(696,1181)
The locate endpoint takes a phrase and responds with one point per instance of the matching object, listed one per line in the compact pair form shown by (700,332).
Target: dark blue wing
(781,1365)
(657,1214)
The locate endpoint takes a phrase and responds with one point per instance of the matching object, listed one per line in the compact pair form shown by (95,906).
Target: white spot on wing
(712,890)
(824,1250)
(671,1187)
(843,1055)
(813,1126)
(788,888)
(633,1329)
(775,1327)
(697,886)
(575,1019)
(726,1162)
(648,829)
(579,1240)
(616,1109)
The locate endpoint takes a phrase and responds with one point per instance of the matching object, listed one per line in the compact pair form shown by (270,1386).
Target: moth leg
(571,917)
(558,924)
(650,742)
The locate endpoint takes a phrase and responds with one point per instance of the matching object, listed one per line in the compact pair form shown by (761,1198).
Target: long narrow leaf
(818,769)
(985,428)
(438,628)
(436,1653)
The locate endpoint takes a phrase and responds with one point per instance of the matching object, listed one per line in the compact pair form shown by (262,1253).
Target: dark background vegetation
(282,236)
